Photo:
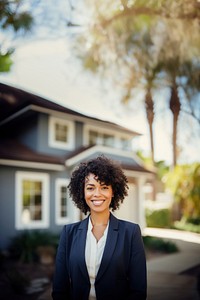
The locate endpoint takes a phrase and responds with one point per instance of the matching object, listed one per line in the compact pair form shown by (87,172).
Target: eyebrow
(94,184)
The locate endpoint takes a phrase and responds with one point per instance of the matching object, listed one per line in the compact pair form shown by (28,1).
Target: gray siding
(7,205)
(7,202)
(78,134)
(27,133)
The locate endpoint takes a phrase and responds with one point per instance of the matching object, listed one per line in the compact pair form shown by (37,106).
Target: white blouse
(93,255)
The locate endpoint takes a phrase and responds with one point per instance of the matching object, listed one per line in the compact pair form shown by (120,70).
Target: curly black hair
(106,171)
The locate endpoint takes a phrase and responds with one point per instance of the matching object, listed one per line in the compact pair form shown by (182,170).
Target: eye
(89,188)
(105,187)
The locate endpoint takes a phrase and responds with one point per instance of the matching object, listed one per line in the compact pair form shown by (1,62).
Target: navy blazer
(122,272)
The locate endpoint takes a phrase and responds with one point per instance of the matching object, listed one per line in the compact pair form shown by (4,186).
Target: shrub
(24,246)
(159,218)
(158,244)
(190,224)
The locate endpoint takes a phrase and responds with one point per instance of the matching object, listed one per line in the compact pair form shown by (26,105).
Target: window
(125,144)
(98,138)
(61,133)
(31,200)
(93,137)
(110,138)
(63,203)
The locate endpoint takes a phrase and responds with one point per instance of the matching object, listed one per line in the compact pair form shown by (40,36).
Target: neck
(99,219)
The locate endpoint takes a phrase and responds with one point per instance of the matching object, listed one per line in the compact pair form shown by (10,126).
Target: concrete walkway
(165,274)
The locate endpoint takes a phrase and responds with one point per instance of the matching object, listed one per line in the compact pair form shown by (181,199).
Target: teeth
(97,202)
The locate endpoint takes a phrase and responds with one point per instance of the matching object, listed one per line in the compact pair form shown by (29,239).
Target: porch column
(141,205)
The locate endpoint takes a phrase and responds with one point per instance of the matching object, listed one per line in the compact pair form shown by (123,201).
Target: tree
(14,20)
(125,38)
(131,57)
(182,46)
(184,184)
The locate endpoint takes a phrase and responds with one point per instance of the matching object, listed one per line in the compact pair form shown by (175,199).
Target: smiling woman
(100,257)
(98,197)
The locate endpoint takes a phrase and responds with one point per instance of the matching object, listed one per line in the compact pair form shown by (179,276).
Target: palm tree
(181,47)
(126,49)
(136,42)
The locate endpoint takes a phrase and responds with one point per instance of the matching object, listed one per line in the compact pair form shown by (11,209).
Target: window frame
(58,184)
(103,131)
(69,145)
(36,224)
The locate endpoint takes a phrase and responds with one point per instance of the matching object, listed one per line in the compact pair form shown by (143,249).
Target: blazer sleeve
(137,268)
(61,280)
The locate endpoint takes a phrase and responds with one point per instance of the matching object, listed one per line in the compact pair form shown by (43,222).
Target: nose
(97,192)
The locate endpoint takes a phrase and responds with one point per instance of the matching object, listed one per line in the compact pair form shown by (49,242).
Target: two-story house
(40,144)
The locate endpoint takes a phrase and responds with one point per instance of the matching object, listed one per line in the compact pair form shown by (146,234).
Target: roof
(17,104)
(12,150)
(128,160)
(13,100)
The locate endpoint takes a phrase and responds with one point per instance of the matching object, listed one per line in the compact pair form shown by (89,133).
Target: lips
(97,202)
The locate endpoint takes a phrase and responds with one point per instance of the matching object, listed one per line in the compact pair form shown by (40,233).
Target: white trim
(84,118)
(128,210)
(70,144)
(130,173)
(58,184)
(44,178)
(64,115)
(97,148)
(33,165)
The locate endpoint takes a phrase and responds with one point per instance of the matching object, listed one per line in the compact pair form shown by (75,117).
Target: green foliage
(184,183)
(13,16)
(162,169)
(158,244)
(191,224)
(5,62)
(158,218)
(90,63)
(24,246)
(13,19)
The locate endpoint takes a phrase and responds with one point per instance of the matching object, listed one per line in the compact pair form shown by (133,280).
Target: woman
(100,257)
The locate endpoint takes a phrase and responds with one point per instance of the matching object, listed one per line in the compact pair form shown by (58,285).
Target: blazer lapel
(80,246)
(109,246)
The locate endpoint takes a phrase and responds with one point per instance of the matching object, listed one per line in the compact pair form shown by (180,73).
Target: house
(40,144)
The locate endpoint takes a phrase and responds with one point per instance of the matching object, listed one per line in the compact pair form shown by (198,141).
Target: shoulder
(123,225)
(73,227)
(129,225)
(131,231)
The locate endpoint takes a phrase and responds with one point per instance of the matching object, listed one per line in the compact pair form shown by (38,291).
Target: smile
(98,202)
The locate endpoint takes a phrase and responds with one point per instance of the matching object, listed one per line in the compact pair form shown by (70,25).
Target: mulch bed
(15,277)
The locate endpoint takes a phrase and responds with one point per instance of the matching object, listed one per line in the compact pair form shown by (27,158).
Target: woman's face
(98,195)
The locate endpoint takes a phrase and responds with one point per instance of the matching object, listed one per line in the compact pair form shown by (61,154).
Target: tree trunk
(175,107)
(149,106)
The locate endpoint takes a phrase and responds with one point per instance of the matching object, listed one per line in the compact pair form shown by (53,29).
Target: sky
(47,67)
